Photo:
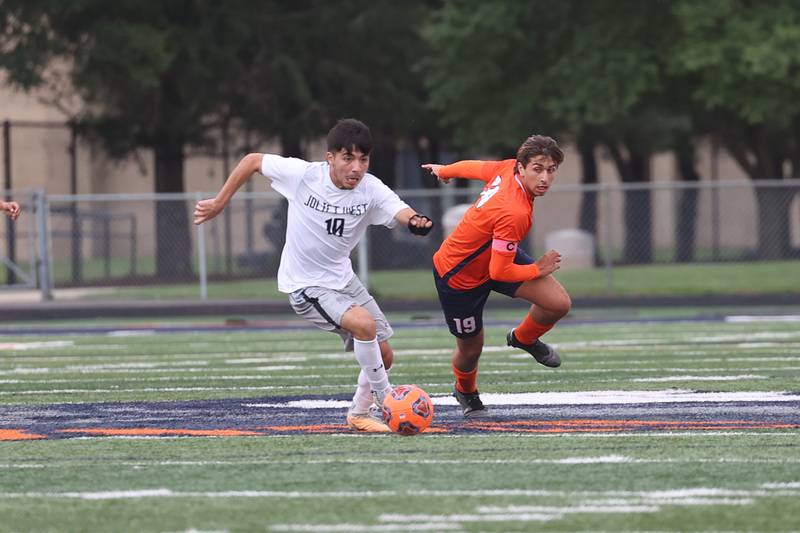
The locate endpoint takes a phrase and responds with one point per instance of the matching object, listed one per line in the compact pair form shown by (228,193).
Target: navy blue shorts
(463,309)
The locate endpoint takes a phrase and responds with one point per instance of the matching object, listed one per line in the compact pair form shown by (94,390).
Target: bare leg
(468,352)
(465,368)
(549,303)
(549,299)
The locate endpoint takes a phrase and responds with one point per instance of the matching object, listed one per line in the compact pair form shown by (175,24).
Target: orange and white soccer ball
(408,410)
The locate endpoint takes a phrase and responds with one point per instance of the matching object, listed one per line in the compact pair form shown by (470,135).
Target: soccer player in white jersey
(331,204)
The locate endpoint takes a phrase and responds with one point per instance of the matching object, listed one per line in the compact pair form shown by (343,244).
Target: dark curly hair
(539,145)
(348,134)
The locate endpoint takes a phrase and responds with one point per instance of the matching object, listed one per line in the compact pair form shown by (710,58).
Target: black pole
(77,264)
(11,236)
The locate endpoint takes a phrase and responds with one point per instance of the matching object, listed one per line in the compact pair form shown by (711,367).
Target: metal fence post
(609,247)
(201,256)
(43,229)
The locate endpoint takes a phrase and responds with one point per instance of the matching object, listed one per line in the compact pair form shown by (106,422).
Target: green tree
(744,62)
(167,75)
(152,74)
(330,60)
(590,70)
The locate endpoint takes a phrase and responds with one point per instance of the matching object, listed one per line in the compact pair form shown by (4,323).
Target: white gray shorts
(325,307)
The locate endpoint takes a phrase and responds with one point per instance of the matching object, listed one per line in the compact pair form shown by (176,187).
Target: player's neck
(528,193)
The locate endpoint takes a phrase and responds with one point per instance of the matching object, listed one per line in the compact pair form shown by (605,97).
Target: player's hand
(420,225)
(11,209)
(434,169)
(549,263)
(205,210)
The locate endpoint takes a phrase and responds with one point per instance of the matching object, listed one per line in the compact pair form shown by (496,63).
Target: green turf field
(691,279)
(700,466)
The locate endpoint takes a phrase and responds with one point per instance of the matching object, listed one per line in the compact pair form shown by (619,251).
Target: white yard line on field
(789,485)
(540,398)
(364,528)
(699,378)
(683,340)
(208,375)
(581,502)
(506,368)
(607,397)
(758,318)
(46,345)
(672,494)
(403,461)
(540,513)
(205,378)
(173,389)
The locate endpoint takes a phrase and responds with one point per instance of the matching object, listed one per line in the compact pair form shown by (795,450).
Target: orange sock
(529,330)
(466,381)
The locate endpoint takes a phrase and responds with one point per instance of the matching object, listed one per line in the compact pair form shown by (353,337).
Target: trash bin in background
(576,247)
(452,216)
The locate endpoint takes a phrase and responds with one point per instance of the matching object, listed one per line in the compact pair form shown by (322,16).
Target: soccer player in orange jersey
(483,255)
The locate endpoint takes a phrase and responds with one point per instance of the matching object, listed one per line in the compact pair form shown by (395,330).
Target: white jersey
(324,223)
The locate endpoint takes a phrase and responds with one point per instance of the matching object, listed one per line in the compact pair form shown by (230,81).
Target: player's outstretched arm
(11,209)
(469,169)
(417,224)
(207,209)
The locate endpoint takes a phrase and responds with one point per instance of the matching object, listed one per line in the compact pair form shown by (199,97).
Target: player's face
(347,167)
(538,174)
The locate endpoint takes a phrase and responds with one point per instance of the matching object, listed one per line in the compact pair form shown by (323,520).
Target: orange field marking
(507,426)
(598,426)
(153,432)
(332,428)
(311,428)
(432,429)
(19,434)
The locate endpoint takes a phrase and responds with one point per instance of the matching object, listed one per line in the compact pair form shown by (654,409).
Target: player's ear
(329,157)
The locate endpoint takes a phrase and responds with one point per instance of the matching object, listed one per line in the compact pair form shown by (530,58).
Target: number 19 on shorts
(465,325)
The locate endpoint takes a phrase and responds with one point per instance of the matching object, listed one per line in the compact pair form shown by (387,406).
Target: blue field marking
(244,417)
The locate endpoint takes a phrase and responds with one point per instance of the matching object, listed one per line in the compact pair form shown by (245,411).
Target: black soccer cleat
(543,353)
(471,404)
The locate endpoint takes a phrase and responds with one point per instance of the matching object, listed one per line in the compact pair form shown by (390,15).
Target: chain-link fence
(146,245)
(20,244)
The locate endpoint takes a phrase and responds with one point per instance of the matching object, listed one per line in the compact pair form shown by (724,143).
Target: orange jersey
(491,228)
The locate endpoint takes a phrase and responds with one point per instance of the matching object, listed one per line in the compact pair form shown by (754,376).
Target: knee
(472,352)
(361,324)
(562,306)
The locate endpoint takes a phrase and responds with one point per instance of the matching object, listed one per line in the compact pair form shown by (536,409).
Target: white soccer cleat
(369,422)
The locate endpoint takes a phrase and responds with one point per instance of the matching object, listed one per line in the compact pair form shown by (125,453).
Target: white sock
(362,399)
(368,354)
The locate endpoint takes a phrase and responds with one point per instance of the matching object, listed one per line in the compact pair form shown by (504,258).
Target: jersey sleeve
(284,173)
(471,169)
(508,232)
(385,204)
(503,268)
